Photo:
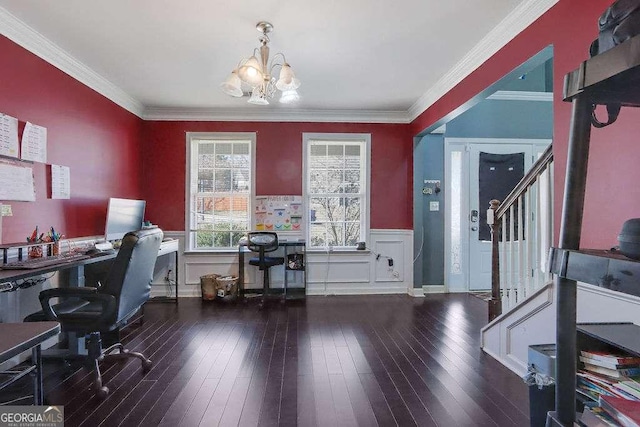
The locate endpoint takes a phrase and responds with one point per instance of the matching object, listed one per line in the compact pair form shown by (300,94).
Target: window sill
(337,251)
(211,252)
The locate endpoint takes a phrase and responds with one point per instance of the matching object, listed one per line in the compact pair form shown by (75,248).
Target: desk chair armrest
(67,292)
(108,302)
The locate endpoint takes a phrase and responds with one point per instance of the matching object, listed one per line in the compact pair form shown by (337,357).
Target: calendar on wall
(278,213)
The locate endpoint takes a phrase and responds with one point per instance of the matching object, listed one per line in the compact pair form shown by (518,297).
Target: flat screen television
(123,215)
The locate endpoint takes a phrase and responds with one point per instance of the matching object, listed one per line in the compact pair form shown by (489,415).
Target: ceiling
(358,60)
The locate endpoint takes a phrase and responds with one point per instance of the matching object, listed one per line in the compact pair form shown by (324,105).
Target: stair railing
(521,234)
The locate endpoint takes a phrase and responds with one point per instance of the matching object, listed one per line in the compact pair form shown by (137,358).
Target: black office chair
(112,305)
(264,242)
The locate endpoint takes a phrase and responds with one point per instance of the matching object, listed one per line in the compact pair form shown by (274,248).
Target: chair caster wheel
(146,366)
(102,392)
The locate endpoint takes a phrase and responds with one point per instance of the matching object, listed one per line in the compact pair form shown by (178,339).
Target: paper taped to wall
(16,183)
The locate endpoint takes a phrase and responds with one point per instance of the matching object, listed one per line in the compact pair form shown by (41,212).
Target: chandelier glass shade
(257,73)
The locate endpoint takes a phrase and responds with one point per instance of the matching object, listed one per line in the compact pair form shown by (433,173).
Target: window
(220,188)
(337,189)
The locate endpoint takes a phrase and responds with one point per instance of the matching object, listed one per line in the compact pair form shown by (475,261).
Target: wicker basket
(208,285)
(227,287)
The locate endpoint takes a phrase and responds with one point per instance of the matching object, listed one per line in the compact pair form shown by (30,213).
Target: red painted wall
(613,194)
(100,142)
(97,139)
(279,166)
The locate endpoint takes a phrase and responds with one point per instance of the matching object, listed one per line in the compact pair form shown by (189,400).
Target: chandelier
(257,72)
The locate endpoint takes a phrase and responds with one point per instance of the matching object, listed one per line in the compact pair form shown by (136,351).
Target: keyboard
(33,263)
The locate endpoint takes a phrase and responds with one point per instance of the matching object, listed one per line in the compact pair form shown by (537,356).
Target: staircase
(521,235)
(521,309)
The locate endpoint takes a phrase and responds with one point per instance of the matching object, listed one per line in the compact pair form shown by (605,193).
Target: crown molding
(520,18)
(230,115)
(25,36)
(514,95)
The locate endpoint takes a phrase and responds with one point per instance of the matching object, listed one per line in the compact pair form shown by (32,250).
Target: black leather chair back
(262,241)
(130,276)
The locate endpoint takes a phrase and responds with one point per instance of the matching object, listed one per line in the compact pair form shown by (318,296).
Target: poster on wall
(60,182)
(8,136)
(16,183)
(278,213)
(34,143)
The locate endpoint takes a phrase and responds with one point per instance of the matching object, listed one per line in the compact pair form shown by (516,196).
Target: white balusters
(524,225)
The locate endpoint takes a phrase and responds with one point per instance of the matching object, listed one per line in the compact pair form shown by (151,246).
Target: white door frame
(462,284)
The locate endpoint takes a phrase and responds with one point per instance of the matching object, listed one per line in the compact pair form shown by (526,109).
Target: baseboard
(357,291)
(434,289)
(416,292)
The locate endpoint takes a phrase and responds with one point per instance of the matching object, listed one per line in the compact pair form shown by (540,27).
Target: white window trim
(191,163)
(331,137)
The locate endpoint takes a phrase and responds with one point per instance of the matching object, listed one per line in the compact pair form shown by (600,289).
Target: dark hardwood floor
(361,360)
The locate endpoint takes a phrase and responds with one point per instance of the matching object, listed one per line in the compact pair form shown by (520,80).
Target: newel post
(495,303)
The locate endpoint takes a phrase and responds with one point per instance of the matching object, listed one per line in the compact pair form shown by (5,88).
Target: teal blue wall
(488,119)
(504,119)
(428,226)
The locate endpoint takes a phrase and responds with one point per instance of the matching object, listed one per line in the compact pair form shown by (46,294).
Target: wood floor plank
(270,413)
(255,394)
(235,403)
(306,402)
(198,406)
(182,378)
(289,396)
(121,378)
(342,405)
(191,391)
(391,353)
(469,379)
(161,396)
(215,409)
(357,360)
(359,401)
(379,404)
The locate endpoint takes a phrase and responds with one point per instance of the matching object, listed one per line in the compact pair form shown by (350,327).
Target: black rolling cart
(295,271)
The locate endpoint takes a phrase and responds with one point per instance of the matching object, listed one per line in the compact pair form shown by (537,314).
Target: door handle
(474,216)
(474,228)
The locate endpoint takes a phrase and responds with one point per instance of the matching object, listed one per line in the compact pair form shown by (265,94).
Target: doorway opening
(514,115)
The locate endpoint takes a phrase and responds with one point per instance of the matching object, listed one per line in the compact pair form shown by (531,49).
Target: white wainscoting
(328,273)
(509,336)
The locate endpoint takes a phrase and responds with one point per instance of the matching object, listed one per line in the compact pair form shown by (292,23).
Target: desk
(168,247)
(289,247)
(76,268)
(20,337)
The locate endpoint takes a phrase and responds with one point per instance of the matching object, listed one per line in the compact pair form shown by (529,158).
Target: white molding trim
(278,115)
(609,293)
(398,231)
(434,289)
(512,361)
(352,290)
(520,18)
(416,292)
(25,36)
(510,325)
(514,95)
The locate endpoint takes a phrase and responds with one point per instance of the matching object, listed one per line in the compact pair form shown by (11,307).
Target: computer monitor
(123,215)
